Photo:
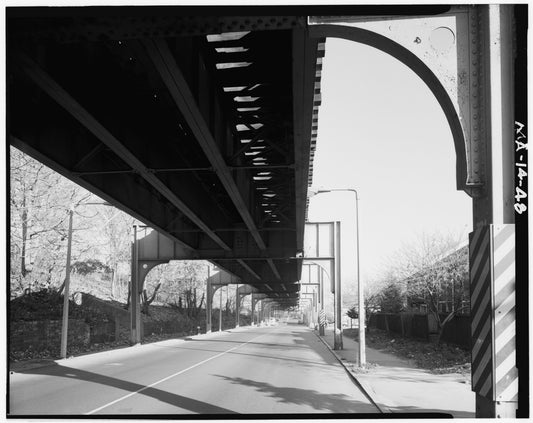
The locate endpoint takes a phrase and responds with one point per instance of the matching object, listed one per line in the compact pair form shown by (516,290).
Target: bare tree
(39,204)
(182,284)
(40,200)
(230,303)
(147,301)
(117,227)
(435,271)
(384,293)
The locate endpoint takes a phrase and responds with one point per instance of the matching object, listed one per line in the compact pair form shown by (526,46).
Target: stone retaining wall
(46,334)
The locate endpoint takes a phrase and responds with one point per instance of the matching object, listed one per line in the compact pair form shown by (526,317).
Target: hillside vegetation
(47,305)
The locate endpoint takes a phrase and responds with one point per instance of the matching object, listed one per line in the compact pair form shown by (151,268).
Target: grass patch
(438,358)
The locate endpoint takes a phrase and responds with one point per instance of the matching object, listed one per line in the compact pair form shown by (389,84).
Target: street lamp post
(360,284)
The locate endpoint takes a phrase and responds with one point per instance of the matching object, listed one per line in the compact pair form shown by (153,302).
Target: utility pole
(64,327)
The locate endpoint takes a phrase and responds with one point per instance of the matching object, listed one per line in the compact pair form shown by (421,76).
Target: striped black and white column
(492,300)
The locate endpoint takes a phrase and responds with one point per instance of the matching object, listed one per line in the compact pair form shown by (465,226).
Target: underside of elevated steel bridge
(199,126)
(200,122)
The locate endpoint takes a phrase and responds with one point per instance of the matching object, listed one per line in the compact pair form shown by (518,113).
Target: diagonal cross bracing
(172,77)
(62,97)
(249,269)
(274,268)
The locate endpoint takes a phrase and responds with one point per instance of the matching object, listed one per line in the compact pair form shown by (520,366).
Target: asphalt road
(280,369)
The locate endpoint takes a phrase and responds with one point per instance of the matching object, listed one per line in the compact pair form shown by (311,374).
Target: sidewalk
(397,386)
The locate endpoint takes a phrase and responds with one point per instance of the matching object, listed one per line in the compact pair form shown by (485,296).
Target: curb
(22,366)
(29,365)
(365,388)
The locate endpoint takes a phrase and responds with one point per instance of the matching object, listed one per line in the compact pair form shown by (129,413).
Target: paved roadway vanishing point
(281,369)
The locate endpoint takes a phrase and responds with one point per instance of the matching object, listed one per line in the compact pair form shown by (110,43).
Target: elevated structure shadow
(180,401)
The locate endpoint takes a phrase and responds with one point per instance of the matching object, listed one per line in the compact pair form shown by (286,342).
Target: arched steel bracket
(145,266)
(243,291)
(444,51)
(211,289)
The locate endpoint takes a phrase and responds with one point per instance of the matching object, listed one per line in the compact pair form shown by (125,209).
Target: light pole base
(337,339)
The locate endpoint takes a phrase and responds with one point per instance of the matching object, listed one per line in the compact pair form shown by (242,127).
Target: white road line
(170,377)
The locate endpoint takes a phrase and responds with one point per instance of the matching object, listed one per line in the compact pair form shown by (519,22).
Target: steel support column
(242,292)
(237,307)
(255,299)
(314,315)
(211,289)
(253,310)
(208,304)
(496,392)
(135,306)
(322,312)
(266,305)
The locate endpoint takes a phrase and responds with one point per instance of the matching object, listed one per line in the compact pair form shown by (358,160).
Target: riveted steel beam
(63,98)
(140,22)
(181,169)
(156,246)
(304,63)
(179,90)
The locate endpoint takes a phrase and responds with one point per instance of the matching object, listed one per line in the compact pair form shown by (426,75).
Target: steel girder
(204,137)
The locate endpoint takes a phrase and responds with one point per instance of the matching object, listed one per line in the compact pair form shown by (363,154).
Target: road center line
(171,376)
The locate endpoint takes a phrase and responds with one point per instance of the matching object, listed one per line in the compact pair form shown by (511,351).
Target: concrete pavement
(397,386)
(268,370)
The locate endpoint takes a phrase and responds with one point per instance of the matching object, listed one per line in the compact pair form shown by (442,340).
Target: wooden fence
(424,326)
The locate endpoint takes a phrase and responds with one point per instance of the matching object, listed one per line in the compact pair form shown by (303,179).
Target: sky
(382,132)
